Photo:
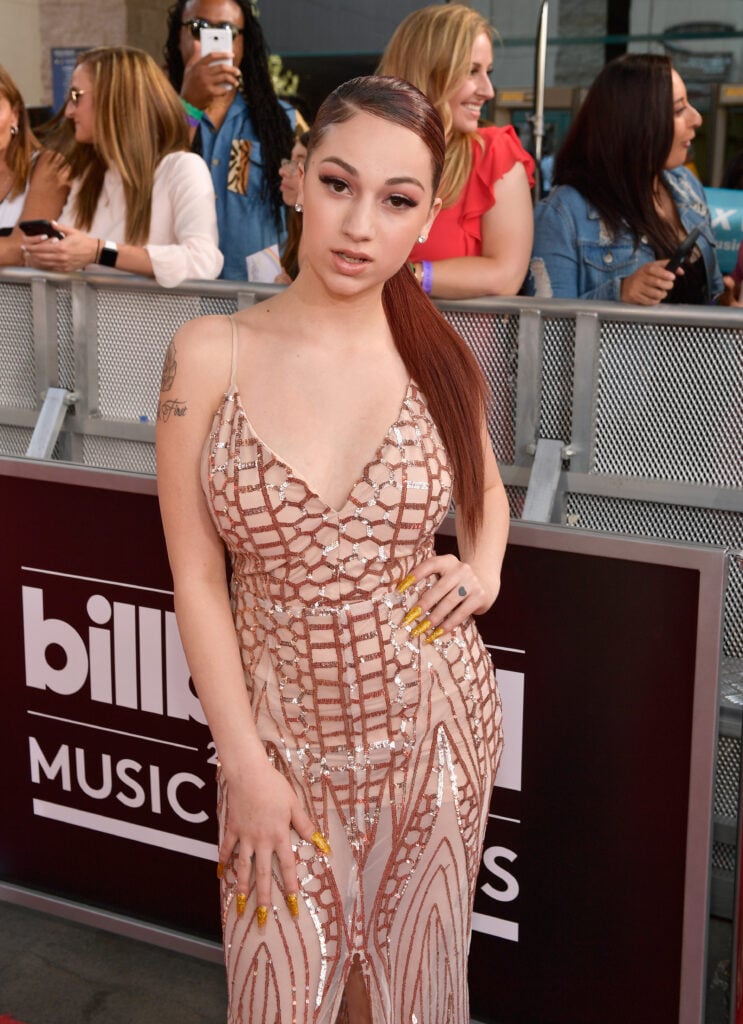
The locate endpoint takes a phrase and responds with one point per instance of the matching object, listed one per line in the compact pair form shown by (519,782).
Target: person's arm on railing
(507,234)
(46,198)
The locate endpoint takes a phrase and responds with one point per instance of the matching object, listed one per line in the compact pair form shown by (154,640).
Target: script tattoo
(173,407)
(169,368)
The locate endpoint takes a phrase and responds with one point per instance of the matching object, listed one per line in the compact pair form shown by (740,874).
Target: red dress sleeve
(457,230)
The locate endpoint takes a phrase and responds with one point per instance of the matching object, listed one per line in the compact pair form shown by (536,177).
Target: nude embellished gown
(391,743)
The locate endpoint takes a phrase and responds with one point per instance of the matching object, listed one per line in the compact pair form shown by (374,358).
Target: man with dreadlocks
(238,124)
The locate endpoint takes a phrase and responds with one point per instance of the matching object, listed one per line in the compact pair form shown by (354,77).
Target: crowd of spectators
(190,170)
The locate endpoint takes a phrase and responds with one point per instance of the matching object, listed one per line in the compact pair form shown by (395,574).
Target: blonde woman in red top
(481,241)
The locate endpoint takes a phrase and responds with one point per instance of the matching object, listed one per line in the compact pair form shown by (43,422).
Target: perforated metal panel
(726,777)
(18,376)
(651,379)
(494,342)
(723,856)
(114,453)
(134,329)
(215,305)
(14,440)
(556,398)
(516,498)
(675,523)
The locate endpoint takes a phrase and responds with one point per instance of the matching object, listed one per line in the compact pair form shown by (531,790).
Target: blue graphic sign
(726,211)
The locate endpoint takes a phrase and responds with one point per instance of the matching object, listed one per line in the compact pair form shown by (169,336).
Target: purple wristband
(426,276)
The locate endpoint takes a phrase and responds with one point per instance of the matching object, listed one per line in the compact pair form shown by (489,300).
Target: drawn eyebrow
(350,169)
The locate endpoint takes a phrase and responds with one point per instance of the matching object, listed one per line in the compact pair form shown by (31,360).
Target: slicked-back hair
(272,126)
(23,144)
(618,145)
(137,120)
(434,354)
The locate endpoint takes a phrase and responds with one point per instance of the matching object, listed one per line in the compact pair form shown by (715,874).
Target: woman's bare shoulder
(202,349)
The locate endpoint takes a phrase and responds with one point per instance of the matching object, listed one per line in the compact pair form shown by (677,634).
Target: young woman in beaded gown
(320,436)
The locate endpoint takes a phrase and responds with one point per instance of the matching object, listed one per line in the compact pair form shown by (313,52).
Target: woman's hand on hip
(456,594)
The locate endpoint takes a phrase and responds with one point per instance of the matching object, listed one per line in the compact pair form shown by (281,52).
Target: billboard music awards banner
(109,794)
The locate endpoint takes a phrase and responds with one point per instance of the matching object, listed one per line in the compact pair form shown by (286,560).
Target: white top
(183,240)
(11,209)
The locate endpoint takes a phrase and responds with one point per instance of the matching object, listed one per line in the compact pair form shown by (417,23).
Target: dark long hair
(433,353)
(268,116)
(618,144)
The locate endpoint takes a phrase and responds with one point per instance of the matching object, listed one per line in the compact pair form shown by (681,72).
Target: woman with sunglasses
(140,202)
(30,185)
(237,122)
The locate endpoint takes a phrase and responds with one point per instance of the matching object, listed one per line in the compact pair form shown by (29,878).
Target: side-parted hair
(22,145)
(432,48)
(434,354)
(270,120)
(138,119)
(618,144)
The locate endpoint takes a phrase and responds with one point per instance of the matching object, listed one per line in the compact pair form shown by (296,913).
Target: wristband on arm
(426,276)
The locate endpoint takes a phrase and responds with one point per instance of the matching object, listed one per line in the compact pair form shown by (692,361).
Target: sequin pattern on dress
(392,743)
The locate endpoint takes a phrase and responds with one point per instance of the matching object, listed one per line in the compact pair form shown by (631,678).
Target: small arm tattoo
(169,368)
(173,407)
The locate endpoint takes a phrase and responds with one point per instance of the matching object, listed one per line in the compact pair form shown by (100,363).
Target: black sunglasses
(195,25)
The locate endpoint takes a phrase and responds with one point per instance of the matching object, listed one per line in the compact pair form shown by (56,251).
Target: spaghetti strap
(233,366)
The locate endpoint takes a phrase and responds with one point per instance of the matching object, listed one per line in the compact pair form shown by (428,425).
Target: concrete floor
(54,971)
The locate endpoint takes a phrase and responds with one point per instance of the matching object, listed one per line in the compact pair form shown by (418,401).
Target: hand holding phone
(216,40)
(683,250)
(39,227)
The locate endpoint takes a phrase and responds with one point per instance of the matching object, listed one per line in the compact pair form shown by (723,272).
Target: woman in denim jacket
(624,201)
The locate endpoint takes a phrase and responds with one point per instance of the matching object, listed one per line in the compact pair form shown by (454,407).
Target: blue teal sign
(726,211)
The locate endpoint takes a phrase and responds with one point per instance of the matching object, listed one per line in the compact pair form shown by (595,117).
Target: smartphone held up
(683,251)
(216,40)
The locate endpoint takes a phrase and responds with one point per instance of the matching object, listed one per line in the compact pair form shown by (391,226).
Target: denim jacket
(576,256)
(244,215)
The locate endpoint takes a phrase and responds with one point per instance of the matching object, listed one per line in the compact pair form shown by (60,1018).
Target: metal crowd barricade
(604,417)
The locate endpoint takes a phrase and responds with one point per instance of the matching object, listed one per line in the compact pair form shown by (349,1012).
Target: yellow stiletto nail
(435,635)
(405,583)
(412,615)
(220,869)
(321,843)
(292,903)
(421,628)
(261,916)
(242,902)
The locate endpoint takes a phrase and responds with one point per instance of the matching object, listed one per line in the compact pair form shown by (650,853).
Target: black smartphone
(683,250)
(39,227)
